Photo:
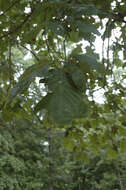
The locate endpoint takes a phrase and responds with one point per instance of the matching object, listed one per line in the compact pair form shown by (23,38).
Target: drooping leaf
(43,103)
(63,103)
(63,106)
(37,70)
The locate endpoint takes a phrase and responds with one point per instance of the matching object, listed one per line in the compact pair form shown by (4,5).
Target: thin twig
(108,54)
(64,47)
(33,53)
(103,44)
(95,90)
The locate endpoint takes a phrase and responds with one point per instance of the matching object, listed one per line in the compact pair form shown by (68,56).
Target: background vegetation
(53,132)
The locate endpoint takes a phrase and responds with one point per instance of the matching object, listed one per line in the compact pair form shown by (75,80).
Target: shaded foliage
(54,90)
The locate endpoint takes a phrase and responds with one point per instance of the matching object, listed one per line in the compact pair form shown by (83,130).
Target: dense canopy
(55,56)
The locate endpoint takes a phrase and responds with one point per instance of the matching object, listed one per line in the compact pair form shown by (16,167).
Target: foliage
(56,87)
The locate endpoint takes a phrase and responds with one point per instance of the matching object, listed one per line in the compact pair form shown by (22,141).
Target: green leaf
(82,156)
(88,62)
(77,50)
(86,27)
(85,9)
(37,70)
(43,103)
(63,103)
(123,145)
(68,143)
(76,76)
(4,66)
(122,131)
(74,36)
(4,4)
(56,27)
(112,154)
(7,114)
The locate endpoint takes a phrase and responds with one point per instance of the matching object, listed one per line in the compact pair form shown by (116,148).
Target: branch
(19,26)
(64,47)
(33,53)
(95,90)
